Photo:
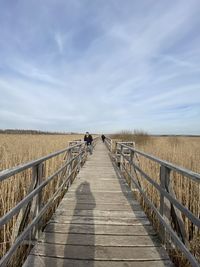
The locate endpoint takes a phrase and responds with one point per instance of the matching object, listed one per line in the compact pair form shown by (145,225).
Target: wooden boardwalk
(98,223)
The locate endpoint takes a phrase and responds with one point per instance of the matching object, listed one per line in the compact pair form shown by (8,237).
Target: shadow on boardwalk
(70,240)
(80,244)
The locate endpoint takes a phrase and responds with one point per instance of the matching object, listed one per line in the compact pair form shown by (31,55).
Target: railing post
(164,208)
(70,166)
(175,215)
(79,158)
(37,172)
(132,186)
(121,157)
(31,209)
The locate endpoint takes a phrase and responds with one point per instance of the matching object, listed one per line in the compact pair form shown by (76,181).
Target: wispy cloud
(60,42)
(78,65)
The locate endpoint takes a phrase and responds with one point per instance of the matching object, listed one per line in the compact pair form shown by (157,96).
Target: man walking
(103,137)
(88,140)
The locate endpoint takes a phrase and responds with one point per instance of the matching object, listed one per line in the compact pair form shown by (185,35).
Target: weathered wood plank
(99,220)
(100,207)
(100,184)
(104,229)
(60,262)
(100,240)
(101,213)
(107,201)
(100,252)
(97,196)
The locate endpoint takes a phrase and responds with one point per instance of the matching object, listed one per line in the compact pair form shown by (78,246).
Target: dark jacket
(103,137)
(88,139)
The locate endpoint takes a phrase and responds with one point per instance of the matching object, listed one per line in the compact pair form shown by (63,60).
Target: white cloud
(103,68)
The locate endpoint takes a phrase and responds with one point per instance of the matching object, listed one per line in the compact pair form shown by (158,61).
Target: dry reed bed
(18,149)
(182,151)
(185,152)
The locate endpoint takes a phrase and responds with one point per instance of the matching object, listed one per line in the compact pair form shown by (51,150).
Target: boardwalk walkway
(98,223)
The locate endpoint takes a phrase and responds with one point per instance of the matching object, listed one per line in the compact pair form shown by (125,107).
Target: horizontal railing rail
(12,171)
(190,174)
(129,166)
(74,157)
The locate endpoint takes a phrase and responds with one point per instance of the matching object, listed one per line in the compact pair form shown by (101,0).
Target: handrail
(173,200)
(108,143)
(193,175)
(76,155)
(30,196)
(12,171)
(127,163)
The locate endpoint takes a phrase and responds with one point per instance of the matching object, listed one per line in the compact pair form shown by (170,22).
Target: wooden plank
(100,196)
(101,213)
(100,201)
(104,229)
(60,262)
(101,188)
(105,207)
(99,220)
(99,183)
(100,240)
(121,194)
(99,252)
(108,190)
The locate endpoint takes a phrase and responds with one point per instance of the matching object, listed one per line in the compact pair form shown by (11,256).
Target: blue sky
(100,65)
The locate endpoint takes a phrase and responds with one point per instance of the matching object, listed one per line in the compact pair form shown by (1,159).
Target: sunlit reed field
(20,148)
(184,152)
(16,149)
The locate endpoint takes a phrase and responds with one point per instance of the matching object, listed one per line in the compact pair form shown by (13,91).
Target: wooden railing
(108,143)
(169,205)
(31,209)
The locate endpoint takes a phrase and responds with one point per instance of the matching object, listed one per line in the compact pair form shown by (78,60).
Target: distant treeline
(21,131)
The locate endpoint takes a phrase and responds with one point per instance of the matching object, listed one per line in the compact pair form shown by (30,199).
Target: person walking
(88,140)
(103,137)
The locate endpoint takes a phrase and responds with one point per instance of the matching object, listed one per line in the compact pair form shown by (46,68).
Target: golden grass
(16,149)
(182,151)
(138,136)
